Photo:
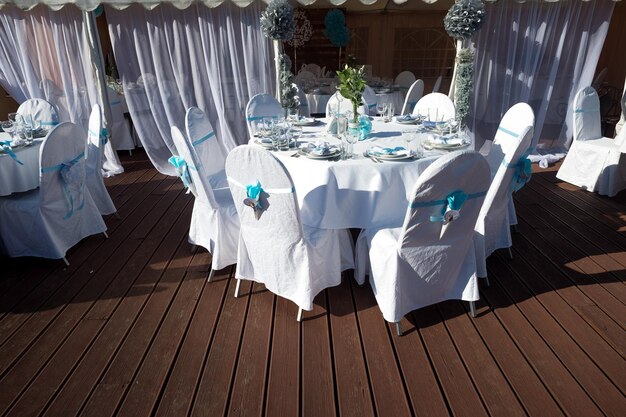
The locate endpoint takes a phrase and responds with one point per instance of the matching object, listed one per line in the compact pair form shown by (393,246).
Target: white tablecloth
(356,193)
(15,178)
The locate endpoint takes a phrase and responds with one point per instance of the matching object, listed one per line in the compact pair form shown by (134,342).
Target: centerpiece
(351,86)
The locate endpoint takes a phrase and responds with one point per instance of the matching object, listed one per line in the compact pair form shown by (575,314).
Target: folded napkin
(446,140)
(405,118)
(380,151)
(319,148)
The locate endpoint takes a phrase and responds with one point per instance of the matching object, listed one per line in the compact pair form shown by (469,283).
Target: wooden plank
(283,383)
(555,376)
(214,388)
(317,385)
(385,380)
(527,386)
(180,389)
(497,395)
(144,390)
(460,393)
(248,389)
(76,338)
(354,397)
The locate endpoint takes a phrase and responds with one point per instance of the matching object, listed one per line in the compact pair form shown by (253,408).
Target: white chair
(303,109)
(46,222)
(293,260)
(93,178)
(435,106)
(370,100)
(416,91)
(121,139)
(41,111)
(593,162)
(214,221)
(260,107)
(428,260)
(510,170)
(338,103)
(405,79)
(437,85)
(208,148)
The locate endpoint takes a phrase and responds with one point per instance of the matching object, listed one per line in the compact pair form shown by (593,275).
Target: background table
(15,178)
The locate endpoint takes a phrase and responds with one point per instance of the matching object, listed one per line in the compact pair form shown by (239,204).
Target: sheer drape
(44,54)
(539,53)
(170,60)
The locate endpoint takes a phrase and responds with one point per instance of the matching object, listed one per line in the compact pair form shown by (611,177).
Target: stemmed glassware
(381,109)
(351,136)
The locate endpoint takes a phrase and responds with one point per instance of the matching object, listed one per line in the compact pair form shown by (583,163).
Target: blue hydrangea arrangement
(336,29)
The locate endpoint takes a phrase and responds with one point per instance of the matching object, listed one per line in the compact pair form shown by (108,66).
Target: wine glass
(295,133)
(380,109)
(351,137)
(13,117)
(8,126)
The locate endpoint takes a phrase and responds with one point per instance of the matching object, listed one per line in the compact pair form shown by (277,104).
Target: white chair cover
(292,260)
(214,221)
(370,100)
(260,107)
(304,109)
(121,139)
(593,162)
(437,85)
(620,124)
(416,91)
(435,106)
(94,180)
(426,261)
(405,79)
(509,147)
(40,110)
(208,148)
(338,103)
(48,221)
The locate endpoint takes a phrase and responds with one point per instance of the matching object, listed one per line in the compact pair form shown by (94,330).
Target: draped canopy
(90,5)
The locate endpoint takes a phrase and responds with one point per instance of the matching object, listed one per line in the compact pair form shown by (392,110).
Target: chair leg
(237,288)
(66,262)
(299,318)
(487,281)
(472,308)
(130,152)
(399,328)
(510,253)
(212,273)
(105,235)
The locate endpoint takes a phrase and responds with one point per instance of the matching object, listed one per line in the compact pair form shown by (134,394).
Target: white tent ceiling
(181,4)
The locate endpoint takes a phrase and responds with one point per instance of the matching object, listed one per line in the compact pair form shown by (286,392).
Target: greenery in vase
(464,83)
(351,86)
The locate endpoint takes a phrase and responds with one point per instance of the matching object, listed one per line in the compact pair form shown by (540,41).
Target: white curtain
(45,54)
(539,53)
(171,59)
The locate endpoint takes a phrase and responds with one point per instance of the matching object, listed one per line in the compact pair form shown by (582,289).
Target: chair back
(436,250)
(416,91)
(192,169)
(303,109)
(62,172)
(207,148)
(405,79)
(586,111)
(40,110)
(437,85)
(370,99)
(435,106)
(279,223)
(93,176)
(262,106)
(338,103)
(509,147)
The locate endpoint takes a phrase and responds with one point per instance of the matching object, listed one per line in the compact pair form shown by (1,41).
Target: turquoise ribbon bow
(523,172)
(182,168)
(6,147)
(453,201)
(67,178)
(254,193)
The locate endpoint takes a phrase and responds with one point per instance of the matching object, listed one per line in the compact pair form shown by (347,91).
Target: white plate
(334,153)
(264,144)
(405,121)
(305,122)
(445,146)
(392,157)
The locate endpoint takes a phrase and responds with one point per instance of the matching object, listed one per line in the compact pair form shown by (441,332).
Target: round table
(16,178)
(356,193)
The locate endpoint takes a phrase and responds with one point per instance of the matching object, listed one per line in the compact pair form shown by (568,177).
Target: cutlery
(296,154)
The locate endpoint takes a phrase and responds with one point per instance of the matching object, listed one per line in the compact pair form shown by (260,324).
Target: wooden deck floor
(132,328)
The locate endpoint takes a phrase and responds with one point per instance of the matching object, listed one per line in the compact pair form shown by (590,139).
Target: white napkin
(453,139)
(378,151)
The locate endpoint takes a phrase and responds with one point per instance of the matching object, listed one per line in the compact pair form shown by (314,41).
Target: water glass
(389,112)
(28,135)
(342,125)
(380,109)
